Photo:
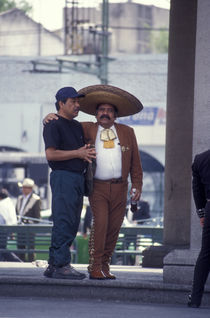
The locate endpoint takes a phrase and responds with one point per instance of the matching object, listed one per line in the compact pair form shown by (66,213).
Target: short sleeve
(51,135)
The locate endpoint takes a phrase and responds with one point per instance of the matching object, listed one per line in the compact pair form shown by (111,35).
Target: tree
(159,41)
(10,4)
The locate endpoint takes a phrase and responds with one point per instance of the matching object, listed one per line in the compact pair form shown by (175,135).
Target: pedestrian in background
(28,209)
(7,217)
(7,209)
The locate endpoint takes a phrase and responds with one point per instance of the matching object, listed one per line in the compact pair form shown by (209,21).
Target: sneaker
(67,272)
(49,271)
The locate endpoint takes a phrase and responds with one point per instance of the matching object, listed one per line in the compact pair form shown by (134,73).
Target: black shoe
(193,304)
(67,272)
(49,271)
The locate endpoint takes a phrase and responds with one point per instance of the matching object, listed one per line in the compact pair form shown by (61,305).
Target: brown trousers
(108,204)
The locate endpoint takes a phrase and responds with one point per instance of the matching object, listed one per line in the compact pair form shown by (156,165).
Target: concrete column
(179,129)
(179,123)
(179,264)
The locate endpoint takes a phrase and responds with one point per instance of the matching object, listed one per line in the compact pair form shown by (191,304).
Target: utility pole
(105,49)
(39,39)
(71,28)
(71,40)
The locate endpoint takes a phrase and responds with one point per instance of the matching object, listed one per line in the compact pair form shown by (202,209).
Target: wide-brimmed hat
(27,182)
(126,103)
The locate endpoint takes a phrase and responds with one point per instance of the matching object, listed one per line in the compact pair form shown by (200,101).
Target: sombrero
(126,103)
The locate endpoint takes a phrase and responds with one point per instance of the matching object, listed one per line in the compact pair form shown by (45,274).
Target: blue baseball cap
(67,92)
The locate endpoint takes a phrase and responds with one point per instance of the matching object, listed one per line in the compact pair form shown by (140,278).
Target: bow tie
(108,136)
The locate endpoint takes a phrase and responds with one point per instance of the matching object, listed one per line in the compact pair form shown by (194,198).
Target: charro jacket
(32,207)
(201,179)
(131,162)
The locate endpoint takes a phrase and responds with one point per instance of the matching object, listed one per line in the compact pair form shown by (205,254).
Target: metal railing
(29,239)
(36,238)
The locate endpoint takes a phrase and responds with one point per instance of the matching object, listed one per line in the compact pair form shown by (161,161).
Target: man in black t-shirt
(67,156)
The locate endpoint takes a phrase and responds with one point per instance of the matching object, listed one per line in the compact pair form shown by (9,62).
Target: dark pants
(6,255)
(26,241)
(202,266)
(67,200)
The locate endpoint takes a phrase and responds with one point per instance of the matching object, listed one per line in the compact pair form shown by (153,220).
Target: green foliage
(25,6)
(6,5)
(159,41)
(10,4)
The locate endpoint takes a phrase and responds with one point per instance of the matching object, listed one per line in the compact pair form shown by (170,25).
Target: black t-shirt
(64,134)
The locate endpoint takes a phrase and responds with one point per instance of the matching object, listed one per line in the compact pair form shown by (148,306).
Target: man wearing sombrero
(117,157)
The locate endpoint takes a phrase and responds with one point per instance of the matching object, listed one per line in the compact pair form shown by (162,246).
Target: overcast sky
(50,14)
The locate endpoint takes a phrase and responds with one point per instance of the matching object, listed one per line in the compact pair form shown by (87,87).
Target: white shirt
(108,160)
(7,211)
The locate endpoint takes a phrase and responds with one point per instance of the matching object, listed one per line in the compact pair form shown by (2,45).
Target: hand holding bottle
(133,202)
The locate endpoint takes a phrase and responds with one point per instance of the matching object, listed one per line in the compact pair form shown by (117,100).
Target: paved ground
(65,308)
(36,269)
(132,290)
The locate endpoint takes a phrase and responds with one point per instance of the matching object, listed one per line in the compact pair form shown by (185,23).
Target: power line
(20,32)
(138,28)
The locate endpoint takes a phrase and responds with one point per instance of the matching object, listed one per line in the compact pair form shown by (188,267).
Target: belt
(119,180)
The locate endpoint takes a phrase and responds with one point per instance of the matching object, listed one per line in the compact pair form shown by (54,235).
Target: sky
(50,12)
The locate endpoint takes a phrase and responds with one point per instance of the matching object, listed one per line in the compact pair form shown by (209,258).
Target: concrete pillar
(179,264)
(179,129)
(179,123)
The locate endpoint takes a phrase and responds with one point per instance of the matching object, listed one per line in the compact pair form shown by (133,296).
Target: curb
(133,284)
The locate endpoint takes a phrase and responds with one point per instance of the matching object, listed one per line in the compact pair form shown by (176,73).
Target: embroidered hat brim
(126,103)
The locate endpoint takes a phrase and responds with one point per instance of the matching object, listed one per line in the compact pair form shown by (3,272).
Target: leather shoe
(67,272)
(108,274)
(49,271)
(96,274)
(193,304)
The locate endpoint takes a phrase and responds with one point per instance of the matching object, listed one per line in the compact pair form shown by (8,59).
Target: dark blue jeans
(67,200)
(202,266)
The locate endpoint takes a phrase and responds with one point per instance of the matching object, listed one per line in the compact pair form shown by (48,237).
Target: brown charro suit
(108,200)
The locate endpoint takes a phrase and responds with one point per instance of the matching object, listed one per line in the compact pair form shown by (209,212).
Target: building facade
(21,36)
(132,27)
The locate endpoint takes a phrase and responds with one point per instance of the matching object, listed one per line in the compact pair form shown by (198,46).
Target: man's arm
(49,117)
(198,187)
(84,153)
(136,171)
(198,191)
(53,153)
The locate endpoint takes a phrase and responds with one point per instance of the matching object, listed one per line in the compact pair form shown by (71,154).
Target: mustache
(105,116)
